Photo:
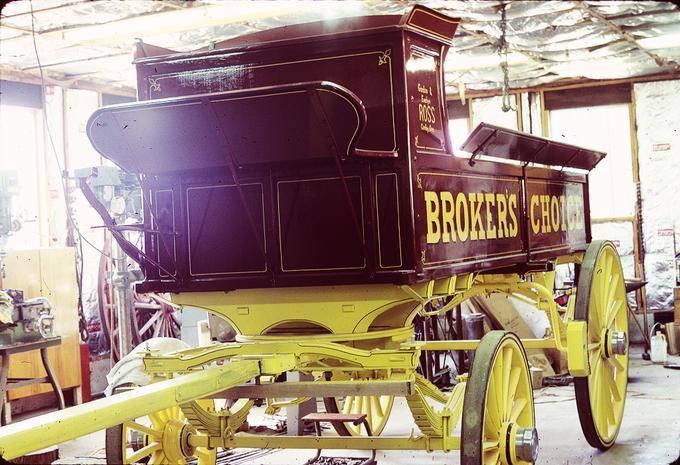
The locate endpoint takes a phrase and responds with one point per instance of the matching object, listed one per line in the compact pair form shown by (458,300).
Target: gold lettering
(563,213)
(490,201)
(554,213)
(502,212)
(545,213)
(535,224)
(448,233)
(476,232)
(432,209)
(462,217)
(512,206)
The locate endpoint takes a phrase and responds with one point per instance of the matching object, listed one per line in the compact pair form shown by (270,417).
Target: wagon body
(319,154)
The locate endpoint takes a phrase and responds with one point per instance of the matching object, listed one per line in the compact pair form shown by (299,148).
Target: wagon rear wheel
(498,425)
(376,408)
(601,303)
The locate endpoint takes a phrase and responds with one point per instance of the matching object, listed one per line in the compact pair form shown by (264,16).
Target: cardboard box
(676,294)
(501,309)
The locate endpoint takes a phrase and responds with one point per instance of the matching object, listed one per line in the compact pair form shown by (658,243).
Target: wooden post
(294,414)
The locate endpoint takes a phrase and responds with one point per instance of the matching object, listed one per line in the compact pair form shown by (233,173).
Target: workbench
(7,383)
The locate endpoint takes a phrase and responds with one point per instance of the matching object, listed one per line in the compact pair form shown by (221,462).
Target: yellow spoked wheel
(376,408)
(498,425)
(601,303)
(159,438)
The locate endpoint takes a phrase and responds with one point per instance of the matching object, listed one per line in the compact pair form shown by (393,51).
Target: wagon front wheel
(159,438)
(601,303)
(498,425)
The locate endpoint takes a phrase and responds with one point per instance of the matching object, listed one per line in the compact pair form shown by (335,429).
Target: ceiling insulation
(91,41)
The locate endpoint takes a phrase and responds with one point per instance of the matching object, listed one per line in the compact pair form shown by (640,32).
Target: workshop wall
(658,136)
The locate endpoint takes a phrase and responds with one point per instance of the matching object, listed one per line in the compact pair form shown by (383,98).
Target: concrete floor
(650,433)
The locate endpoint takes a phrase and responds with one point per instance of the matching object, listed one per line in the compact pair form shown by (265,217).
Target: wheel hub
(521,444)
(176,440)
(526,444)
(618,342)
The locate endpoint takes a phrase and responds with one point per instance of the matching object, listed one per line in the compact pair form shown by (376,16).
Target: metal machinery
(300,183)
(24,320)
(123,312)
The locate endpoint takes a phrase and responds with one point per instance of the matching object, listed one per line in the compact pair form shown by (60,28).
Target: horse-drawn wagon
(301,184)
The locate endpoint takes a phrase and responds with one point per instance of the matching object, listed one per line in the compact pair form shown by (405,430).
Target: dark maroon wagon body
(319,154)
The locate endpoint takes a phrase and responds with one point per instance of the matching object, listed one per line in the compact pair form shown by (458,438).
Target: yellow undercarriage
(356,335)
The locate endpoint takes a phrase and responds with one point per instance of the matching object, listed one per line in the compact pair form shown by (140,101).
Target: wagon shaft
(53,428)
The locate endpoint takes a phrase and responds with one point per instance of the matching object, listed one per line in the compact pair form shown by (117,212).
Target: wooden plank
(355,418)
(317,389)
(50,273)
(575,98)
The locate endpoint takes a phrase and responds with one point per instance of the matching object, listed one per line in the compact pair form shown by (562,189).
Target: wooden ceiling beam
(567,83)
(10,74)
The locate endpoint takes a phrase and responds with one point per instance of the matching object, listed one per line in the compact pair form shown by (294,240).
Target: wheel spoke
(492,425)
(491,457)
(348,404)
(607,396)
(517,408)
(603,402)
(616,364)
(492,406)
(143,452)
(156,420)
(377,406)
(490,445)
(507,368)
(157,457)
(514,381)
(497,375)
(611,382)
(617,306)
(143,429)
(594,374)
(368,410)
(594,357)
(608,260)
(595,304)
(149,323)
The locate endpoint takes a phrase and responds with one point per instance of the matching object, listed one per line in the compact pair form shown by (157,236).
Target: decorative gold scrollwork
(154,85)
(385,57)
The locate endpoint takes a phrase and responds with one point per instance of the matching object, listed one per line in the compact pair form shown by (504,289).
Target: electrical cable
(69,218)
(82,324)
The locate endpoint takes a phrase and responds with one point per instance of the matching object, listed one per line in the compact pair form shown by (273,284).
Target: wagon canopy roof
(499,142)
(419,19)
